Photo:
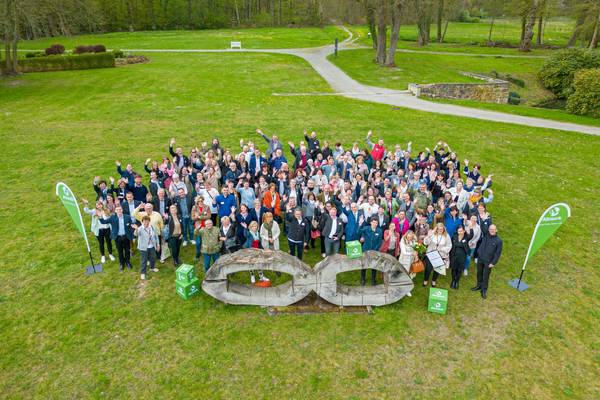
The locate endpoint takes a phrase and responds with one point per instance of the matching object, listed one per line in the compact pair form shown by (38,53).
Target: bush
(514,80)
(465,16)
(97,48)
(62,63)
(585,99)
(514,98)
(118,53)
(558,71)
(33,54)
(55,49)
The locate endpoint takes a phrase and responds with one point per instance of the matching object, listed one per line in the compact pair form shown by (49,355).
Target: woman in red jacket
(272,201)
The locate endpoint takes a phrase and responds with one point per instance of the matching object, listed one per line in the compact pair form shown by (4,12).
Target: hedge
(585,100)
(63,63)
(558,71)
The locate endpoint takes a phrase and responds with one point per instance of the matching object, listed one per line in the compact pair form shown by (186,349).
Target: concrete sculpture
(322,279)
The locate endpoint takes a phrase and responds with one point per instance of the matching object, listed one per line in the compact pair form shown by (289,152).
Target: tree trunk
(371,21)
(540,33)
(491,29)
(528,28)
(151,14)
(445,30)
(440,16)
(423,22)
(594,41)
(381,32)
(578,25)
(396,18)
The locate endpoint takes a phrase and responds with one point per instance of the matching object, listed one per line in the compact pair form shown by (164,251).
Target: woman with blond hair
(269,232)
(100,230)
(437,240)
(252,236)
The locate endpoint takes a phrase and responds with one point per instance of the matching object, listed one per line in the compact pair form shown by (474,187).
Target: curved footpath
(348,87)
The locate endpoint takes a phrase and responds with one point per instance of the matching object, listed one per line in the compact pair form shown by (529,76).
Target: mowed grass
(65,335)
(471,35)
(251,38)
(447,68)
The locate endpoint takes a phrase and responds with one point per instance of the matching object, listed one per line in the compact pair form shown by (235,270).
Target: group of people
(387,198)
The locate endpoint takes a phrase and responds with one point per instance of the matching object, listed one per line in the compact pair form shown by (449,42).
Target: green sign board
(549,222)
(353,249)
(68,199)
(438,301)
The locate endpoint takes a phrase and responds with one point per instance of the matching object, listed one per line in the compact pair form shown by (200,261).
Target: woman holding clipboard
(437,240)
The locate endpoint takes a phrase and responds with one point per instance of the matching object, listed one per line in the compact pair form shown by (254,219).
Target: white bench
(236,45)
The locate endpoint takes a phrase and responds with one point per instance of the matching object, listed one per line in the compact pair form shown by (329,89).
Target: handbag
(417,266)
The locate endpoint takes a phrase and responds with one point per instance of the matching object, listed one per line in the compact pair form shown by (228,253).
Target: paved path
(348,87)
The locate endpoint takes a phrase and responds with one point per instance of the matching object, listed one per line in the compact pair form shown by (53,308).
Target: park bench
(236,45)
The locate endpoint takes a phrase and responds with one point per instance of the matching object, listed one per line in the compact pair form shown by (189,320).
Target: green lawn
(437,68)
(254,38)
(557,33)
(65,335)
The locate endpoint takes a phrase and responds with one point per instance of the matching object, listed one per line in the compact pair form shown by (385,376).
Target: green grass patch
(251,38)
(65,335)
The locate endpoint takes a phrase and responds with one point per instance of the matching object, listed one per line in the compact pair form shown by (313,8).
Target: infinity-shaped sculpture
(322,279)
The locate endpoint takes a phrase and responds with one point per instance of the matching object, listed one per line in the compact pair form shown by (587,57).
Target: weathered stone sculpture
(322,279)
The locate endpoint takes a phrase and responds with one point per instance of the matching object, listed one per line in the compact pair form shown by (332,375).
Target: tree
(595,36)
(381,18)
(10,33)
(424,13)
(529,17)
(397,6)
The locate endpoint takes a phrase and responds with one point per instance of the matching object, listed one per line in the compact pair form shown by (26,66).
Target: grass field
(447,68)
(254,38)
(65,335)
(556,33)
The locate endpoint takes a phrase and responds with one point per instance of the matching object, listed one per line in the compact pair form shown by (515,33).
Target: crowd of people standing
(390,199)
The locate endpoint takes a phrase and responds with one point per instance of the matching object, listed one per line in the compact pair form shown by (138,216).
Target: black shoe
(484,294)
(129,265)
(373,282)
(456,285)
(363,282)
(121,267)
(277,273)
(476,288)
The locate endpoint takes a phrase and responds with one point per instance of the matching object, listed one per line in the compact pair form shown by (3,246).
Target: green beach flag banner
(549,222)
(66,196)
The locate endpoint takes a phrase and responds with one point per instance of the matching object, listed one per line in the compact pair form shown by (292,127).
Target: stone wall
(492,91)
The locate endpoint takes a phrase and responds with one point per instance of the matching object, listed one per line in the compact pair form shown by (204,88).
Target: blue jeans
(188,229)
(468,261)
(207,258)
(198,245)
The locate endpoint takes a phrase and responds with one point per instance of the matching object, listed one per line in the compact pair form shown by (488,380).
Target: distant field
(556,33)
(252,38)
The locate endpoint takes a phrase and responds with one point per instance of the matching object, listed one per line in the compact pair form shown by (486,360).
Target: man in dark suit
(332,231)
(161,203)
(383,221)
(129,204)
(184,205)
(155,184)
(297,231)
(355,218)
(121,232)
(488,254)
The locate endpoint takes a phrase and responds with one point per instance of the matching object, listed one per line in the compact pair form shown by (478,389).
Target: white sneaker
(112,258)
(102,259)
(409,294)
(147,263)
(154,269)
(184,243)
(466,272)
(252,278)
(264,279)
(323,255)
(143,277)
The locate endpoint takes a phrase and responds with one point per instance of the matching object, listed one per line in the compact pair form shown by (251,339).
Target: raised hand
(118,163)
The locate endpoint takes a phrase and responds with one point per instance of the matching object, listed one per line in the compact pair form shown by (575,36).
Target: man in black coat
(297,231)
(488,254)
(332,230)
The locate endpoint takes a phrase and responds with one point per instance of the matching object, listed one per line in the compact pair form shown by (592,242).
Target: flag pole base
(521,286)
(93,269)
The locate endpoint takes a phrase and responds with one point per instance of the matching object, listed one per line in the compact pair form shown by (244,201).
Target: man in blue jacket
(226,203)
(121,232)
(127,174)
